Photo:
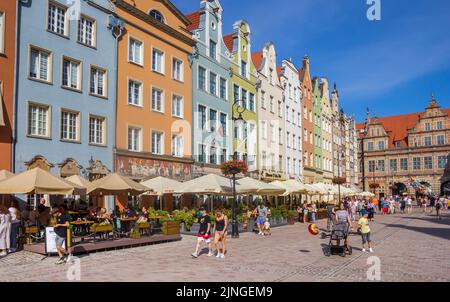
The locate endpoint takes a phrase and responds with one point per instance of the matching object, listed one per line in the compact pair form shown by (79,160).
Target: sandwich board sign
(50,243)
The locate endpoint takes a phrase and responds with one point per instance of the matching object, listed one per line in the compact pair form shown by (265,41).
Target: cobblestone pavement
(412,247)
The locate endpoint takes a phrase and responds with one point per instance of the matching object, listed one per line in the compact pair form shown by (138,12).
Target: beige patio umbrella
(5,174)
(161,185)
(290,187)
(115,184)
(210,184)
(36,181)
(367,194)
(80,181)
(252,186)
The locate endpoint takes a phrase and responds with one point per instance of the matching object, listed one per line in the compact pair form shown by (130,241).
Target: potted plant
(234,167)
(339,180)
(291,218)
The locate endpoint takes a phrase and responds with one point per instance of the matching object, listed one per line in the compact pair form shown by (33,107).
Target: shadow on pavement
(443,233)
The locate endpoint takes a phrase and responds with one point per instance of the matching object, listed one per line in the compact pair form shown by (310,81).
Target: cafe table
(125,224)
(81,228)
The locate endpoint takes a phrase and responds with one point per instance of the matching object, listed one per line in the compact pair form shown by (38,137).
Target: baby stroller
(339,232)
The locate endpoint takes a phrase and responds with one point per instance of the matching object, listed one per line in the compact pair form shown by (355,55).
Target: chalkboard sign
(50,243)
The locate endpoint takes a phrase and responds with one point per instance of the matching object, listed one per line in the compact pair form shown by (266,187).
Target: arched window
(155,14)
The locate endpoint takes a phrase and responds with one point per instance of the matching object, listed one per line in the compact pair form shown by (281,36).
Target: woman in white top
(15,226)
(5,230)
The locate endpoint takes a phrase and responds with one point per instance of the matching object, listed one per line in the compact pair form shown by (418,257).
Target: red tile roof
(257,58)
(397,126)
(228,40)
(194,18)
(279,69)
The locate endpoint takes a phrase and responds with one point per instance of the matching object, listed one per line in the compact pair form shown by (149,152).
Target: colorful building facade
(243,85)
(308,125)
(211,105)
(292,96)
(154,101)
(66,76)
(327,133)
(272,160)
(8,13)
(317,120)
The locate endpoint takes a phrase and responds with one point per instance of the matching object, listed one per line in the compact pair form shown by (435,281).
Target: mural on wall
(139,168)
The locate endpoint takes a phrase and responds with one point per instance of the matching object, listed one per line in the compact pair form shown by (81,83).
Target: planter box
(171,228)
(101,228)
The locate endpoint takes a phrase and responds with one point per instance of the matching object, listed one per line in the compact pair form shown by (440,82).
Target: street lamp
(234,223)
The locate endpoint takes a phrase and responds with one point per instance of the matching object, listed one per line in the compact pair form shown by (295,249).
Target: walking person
(342,216)
(220,233)
(305,212)
(330,216)
(408,204)
(313,212)
(15,226)
(60,228)
(439,205)
(204,233)
(5,231)
(261,211)
(403,205)
(363,223)
(371,210)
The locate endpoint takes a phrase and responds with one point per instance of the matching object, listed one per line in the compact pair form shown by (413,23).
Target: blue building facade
(66,87)
(212,139)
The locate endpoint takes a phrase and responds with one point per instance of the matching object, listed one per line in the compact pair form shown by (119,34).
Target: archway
(445,188)
(399,189)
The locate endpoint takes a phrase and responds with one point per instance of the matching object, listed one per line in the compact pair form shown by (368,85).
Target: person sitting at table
(31,216)
(104,216)
(129,213)
(143,217)
(92,211)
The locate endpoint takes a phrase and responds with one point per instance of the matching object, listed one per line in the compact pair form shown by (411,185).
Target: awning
(2,120)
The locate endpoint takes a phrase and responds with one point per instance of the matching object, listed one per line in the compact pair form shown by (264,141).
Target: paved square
(410,247)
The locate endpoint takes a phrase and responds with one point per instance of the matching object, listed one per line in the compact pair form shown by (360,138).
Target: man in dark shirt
(60,228)
(204,233)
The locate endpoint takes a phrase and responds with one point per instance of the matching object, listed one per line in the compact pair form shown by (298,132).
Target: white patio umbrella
(5,174)
(252,186)
(289,188)
(210,184)
(161,185)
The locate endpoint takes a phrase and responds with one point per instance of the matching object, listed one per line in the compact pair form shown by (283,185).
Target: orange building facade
(8,11)
(307,123)
(154,111)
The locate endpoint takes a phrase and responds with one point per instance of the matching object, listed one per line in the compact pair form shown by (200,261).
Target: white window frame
(153,149)
(181,99)
(162,99)
(77,126)
(156,68)
(84,37)
(96,86)
(66,19)
(47,122)
(139,139)
(139,104)
(175,76)
(49,64)
(141,57)
(95,132)
(221,80)
(212,74)
(179,144)
(79,65)
(205,88)
(2,31)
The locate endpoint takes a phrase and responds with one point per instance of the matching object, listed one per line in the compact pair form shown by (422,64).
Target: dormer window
(155,14)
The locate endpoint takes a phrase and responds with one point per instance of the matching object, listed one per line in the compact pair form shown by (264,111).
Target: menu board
(50,243)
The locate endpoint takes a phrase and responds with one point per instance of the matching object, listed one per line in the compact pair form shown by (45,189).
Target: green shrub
(188,218)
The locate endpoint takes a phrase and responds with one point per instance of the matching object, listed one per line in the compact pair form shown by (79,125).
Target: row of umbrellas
(38,181)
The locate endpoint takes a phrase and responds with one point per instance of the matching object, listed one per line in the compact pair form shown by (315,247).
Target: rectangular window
(38,120)
(135,51)
(201,153)
(212,155)
(381,166)
(280,136)
(202,78)
(381,145)
(427,141)
(202,116)
(157,142)
(71,77)
(438,124)
(272,105)
(252,102)
(177,70)
(96,130)
(134,93)
(244,98)
(69,125)
(157,100)
(371,166)
(288,136)
(223,124)
(158,61)
(263,100)
(223,89)
(235,93)
(177,146)
(134,139)
(86,31)
(98,82)
(223,156)
(2,32)
(370,146)
(213,83)
(416,163)
(280,109)
(440,140)
(428,162)
(244,69)
(177,106)
(404,164)
(57,19)
(40,67)
(442,161)
(393,165)
(212,120)
(212,49)
(427,126)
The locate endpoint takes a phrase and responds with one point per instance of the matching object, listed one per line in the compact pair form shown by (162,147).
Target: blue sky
(390,66)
